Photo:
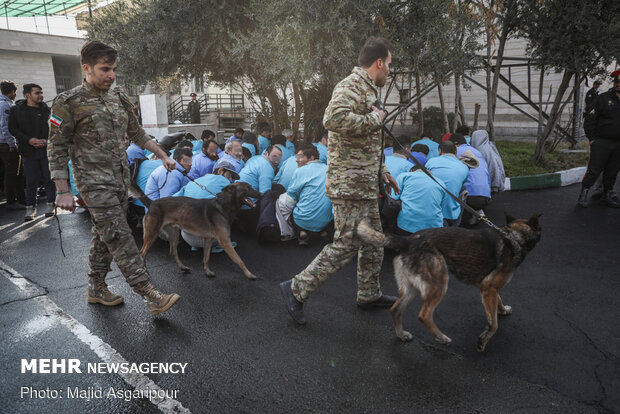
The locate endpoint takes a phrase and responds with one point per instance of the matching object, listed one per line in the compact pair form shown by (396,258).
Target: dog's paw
(482,342)
(444,340)
(209,273)
(506,310)
(184,269)
(251,276)
(405,336)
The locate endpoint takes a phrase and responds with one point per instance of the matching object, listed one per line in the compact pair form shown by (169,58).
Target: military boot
(583,197)
(611,199)
(156,302)
(98,292)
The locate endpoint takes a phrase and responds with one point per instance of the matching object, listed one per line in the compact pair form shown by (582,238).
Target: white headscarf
(480,141)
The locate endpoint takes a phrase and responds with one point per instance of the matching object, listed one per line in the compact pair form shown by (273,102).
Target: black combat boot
(611,199)
(294,307)
(583,197)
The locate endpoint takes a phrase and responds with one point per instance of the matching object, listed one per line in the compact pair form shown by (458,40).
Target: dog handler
(88,124)
(353,167)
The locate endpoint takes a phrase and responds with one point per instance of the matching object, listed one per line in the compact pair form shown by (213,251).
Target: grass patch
(517,158)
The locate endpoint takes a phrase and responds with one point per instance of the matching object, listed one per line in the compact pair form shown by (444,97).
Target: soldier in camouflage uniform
(88,124)
(354,165)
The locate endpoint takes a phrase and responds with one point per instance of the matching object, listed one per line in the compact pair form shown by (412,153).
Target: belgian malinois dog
(208,218)
(486,258)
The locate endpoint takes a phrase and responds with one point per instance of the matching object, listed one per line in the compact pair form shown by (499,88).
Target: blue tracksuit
(227,157)
(258,172)
(250,147)
(322,152)
(478,182)
(285,173)
(286,153)
(146,169)
(214,183)
(453,172)
(174,182)
(201,165)
(263,144)
(134,152)
(433,147)
(397,165)
(197,148)
(422,202)
(313,210)
(290,146)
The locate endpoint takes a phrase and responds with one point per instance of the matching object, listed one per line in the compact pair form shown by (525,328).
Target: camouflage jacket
(354,145)
(89,126)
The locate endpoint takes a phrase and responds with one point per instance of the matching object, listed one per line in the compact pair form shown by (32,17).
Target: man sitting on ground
(290,140)
(433,147)
(259,171)
(288,168)
(422,202)
(397,163)
(264,137)
(237,135)
(202,163)
(420,153)
(280,142)
(313,210)
(233,154)
(162,183)
(478,184)
(321,145)
(453,172)
(250,142)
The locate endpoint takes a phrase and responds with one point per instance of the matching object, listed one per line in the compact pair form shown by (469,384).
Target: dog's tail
(137,192)
(376,238)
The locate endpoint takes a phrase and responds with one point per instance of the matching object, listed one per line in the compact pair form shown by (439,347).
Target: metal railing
(233,103)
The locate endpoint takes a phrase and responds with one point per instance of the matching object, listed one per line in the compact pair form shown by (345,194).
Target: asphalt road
(557,352)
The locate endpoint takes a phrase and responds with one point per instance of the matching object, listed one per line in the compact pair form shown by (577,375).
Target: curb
(556,179)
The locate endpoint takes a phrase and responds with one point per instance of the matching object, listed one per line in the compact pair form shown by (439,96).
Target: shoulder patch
(55,120)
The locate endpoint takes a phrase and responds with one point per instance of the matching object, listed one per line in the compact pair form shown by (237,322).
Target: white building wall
(24,68)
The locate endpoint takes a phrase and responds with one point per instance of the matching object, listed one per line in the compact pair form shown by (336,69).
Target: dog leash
(129,200)
(467,208)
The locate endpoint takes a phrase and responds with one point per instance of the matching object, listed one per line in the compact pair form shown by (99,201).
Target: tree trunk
(540,142)
(298,107)
(554,115)
(476,115)
(418,89)
(457,91)
(446,127)
(498,63)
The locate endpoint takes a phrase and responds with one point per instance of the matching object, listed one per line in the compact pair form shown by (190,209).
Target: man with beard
(354,166)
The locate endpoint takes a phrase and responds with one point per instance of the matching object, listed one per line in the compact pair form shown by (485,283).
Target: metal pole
(6,14)
(46,21)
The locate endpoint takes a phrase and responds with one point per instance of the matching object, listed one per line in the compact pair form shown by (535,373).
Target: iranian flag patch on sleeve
(55,120)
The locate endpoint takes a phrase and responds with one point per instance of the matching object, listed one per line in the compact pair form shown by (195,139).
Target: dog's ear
(509,218)
(533,221)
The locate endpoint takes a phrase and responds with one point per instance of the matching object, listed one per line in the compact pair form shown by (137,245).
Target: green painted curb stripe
(536,181)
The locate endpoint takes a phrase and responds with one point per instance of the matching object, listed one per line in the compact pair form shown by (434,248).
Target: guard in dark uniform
(193,107)
(602,127)
(591,96)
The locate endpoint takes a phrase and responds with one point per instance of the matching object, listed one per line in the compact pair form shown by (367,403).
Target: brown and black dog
(486,258)
(207,218)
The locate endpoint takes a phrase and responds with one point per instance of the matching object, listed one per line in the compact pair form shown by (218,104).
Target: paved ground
(558,352)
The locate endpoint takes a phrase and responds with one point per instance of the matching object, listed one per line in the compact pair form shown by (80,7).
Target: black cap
(458,139)
(192,94)
(597,82)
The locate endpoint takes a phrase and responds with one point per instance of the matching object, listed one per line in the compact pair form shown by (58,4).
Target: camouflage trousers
(334,256)
(112,237)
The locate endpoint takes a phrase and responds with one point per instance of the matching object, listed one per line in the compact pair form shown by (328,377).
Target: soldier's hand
(65,202)
(390,183)
(382,113)
(169,163)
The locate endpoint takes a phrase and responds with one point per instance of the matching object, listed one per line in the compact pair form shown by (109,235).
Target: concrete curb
(556,179)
